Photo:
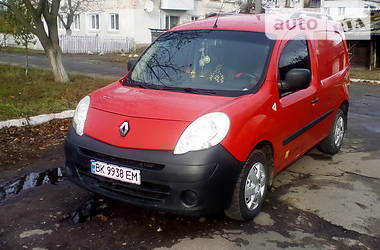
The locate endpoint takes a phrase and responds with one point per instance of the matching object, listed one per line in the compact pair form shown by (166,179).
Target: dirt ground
(319,202)
(21,147)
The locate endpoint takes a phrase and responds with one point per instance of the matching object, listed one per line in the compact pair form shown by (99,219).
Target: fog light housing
(189,198)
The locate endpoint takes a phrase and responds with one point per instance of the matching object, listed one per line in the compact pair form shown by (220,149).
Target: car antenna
(220,11)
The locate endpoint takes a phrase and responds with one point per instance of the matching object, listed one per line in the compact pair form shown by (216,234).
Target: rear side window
(331,55)
(294,55)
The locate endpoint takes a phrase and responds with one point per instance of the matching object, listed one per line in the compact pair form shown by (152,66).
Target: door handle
(315,100)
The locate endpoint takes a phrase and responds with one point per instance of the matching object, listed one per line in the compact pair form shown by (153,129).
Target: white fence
(95,44)
(83,44)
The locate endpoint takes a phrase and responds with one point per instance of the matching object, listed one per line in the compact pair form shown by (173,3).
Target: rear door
(295,110)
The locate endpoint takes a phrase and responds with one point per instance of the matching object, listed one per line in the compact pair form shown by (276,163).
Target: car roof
(255,23)
(228,22)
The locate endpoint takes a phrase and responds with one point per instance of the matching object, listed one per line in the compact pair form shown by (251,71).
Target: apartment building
(135,18)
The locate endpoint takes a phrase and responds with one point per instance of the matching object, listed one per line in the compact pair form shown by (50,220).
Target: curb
(36,120)
(374,82)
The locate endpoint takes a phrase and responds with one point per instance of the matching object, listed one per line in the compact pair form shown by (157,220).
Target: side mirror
(131,63)
(295,79)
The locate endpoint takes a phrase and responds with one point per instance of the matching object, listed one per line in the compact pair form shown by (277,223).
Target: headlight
(203,133)
(80,115)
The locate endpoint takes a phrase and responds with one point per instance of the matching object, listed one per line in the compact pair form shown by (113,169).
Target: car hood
(155,118)
(155,104)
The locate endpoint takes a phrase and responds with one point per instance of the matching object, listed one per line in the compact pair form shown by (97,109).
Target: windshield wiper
(133,83)
(199,91)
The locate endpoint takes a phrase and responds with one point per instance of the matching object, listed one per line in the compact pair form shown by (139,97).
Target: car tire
(249,193)
(333,142)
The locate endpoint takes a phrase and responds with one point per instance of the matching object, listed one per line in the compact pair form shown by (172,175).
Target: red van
(210,113)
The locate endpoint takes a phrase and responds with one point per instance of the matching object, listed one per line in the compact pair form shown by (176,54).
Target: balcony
(177,4)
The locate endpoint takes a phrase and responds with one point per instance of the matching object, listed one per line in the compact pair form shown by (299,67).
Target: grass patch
(365,74)
(22,96)
(112,57)
(21,50)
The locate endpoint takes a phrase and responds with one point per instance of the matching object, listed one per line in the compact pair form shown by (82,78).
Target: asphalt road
(319,202)
(73,63)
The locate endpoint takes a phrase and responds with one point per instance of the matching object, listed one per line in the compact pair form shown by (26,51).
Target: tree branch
(30,8)
(19,16)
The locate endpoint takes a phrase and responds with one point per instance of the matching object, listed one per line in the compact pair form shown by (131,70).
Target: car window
(294,55)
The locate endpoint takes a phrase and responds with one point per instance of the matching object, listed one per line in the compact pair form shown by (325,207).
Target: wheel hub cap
(339,131)
(255,186)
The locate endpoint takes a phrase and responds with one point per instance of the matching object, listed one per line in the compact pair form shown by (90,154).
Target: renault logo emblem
(124,128)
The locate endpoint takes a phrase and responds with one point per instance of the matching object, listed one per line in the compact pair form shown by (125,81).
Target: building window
(76,22)
(94,21)
(194,18)
(171,21)
(342,11)
(114,22)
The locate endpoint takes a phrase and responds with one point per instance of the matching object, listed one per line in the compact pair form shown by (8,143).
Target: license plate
(115,172)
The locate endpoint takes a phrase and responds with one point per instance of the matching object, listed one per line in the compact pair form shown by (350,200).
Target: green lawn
(21,50)
(365,74)
(22,96)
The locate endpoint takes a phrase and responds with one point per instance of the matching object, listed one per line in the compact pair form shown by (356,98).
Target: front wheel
(333,142)
(251,188)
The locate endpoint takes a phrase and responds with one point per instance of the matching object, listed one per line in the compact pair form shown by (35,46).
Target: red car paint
(158,117)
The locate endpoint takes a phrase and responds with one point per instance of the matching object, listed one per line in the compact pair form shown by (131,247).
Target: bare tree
(43,15)
(25,39)
(70,8)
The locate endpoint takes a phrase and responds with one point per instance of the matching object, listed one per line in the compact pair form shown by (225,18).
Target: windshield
(204,61)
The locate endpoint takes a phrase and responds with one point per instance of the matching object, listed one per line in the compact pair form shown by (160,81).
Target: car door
(295,109)
(332,73)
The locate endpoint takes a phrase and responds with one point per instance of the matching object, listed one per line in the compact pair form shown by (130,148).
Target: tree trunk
(258,7)
(40,17)
(55,59)
(4,40)
(68,32)
(26,59)
(287,3)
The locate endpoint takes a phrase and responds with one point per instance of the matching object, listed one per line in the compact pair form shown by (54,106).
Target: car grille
(120,161)
(147,191)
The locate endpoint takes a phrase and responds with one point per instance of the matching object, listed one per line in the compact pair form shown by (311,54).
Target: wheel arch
(267,147)
(345,107)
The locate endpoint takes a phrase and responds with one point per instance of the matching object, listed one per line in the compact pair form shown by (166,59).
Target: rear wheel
(251,188)
(333,142)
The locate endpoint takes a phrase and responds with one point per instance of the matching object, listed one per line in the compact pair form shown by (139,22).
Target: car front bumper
(168,181)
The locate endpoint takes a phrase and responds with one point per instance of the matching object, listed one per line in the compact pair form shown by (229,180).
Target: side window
(294,55)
